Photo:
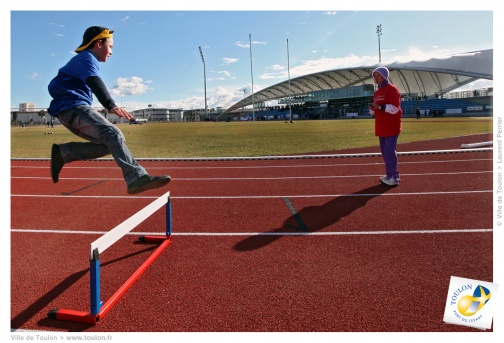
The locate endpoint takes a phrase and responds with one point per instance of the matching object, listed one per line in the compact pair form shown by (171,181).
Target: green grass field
(211,139)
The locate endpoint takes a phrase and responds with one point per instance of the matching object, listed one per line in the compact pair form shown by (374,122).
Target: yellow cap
(92,34)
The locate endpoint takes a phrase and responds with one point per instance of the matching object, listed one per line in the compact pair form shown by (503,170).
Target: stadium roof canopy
(426,78)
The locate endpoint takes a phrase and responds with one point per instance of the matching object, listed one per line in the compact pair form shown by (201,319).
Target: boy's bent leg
(56,162)
(79,151)
(105,138)
(75,121)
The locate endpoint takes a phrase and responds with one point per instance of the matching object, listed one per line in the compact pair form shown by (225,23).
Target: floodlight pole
(378,32)
(252,77)
(290,91)
(204,77)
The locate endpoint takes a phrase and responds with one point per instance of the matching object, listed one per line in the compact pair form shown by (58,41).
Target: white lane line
(262,167)
(220,234)
(283,157)
(261,178)
(249,196)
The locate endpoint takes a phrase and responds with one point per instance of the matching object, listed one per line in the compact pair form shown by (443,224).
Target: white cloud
(416,54)
(221,97)
(318,65)
(268,76)
(247,44)
(277,67)
(224,72)
(228,60)
(243,45)
(129,86)
(222,76)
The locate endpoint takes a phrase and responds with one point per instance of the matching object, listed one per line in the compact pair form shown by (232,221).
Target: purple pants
(388,150)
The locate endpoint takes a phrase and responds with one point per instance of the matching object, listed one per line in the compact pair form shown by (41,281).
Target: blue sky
(156,59)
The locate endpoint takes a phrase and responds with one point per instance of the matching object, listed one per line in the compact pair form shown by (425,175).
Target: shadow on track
(315,218)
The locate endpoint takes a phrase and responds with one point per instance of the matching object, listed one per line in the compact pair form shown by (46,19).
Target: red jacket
(388,117)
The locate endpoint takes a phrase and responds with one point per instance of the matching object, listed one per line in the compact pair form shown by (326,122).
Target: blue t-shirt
(68,89)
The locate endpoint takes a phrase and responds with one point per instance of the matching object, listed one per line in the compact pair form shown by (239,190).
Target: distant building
(39,117)
(153,114)
(27,107)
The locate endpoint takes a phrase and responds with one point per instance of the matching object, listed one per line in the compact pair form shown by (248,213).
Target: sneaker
(147,182)
(56,162)
(383,178)
(390,182)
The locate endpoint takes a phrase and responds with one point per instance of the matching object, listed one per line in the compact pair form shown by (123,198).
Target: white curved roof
(434,76)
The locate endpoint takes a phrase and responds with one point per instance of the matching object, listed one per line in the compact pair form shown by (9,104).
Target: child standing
(72,92)
(386,107)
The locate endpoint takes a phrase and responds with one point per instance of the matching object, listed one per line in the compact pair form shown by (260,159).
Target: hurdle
(98,309)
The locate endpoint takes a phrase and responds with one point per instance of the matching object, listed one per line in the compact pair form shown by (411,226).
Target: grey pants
(104,138)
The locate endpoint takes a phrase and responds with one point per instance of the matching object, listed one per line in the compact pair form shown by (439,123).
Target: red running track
(313,245)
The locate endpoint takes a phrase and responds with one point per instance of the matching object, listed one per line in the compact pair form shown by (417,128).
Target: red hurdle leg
(73,316)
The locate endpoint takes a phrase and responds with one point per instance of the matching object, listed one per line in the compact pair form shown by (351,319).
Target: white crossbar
(476,145)
(126,226)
